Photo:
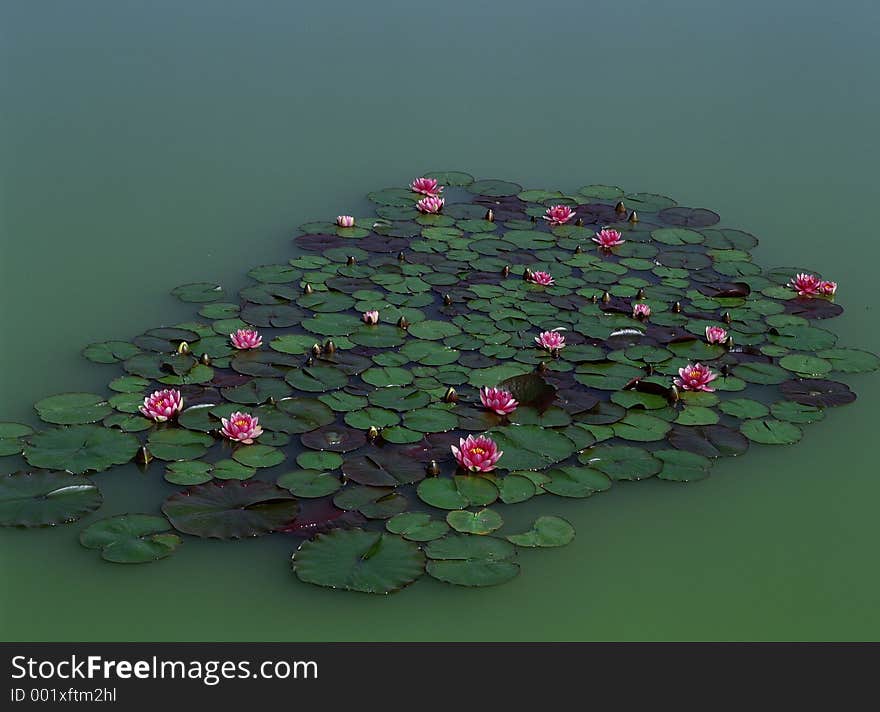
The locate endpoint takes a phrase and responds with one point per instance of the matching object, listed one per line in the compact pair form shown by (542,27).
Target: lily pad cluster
(354,459)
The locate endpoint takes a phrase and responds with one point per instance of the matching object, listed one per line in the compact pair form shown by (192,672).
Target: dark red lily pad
(817,392)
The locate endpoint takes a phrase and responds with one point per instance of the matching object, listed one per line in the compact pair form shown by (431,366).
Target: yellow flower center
(241,423)
(477,451)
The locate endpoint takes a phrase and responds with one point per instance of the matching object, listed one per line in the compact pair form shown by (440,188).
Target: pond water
(149,146)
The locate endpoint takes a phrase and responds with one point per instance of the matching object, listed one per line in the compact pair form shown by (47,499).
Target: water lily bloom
(162,405)
(426,186)
(345,220)
(559,214)
(430,205)
(542,278)
(806,285)
(241,428)
(828,288)
(498,400)
(371,317)
(641,311)
(715,335)
(608,238)
(695,377)
(477,454)
(550,340)
(246,339)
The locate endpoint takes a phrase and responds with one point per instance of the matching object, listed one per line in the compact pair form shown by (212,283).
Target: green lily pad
(80,448)
(469,560)
(310,483)
(110,351)
(73,408)
(357,560)
(131,538)
(39,499)
(188,473)
(850,360)
(457,492)
(770,431)
(417,526)
(258,456)
(484,521)
(547,531)
(178,444)
(621,462)
(573,481)
(530,447)
(198,292)
(682,466)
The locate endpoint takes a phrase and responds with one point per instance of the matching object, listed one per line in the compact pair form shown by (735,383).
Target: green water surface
(144,145)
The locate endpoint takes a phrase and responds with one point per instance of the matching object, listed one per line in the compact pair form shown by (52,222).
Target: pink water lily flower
(829,289)
(641,311)
(430,205)
(241,428)
(806,285)
(550,340)
(715,335)
(477,454)
(246,339)
(542,278)
(345,220)
(426,186)
(371,317)
(559,214)
(498,400)
(162,405)
(695,377)
(607,238)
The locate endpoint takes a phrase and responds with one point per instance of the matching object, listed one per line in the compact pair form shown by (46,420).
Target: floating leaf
(39,499)
(417,526)
(381,468)
(545,532)
(682,466)
(131,538)
(769,431)
(310,483)
(468,560)
(484,521)
(372,502)
(621,462)
(198,292)
(80,448)
(357,560)
(73,408)
(530,447)
(457,492)
(817,392)
(230,509)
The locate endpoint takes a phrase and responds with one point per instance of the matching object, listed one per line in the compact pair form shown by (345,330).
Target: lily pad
(417,526)
(358,560)
(547,531)
(770,431)
(230,509)
(80,448)
(469,560)
(73,408)
(131,538)
(484,521)
(39,499)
